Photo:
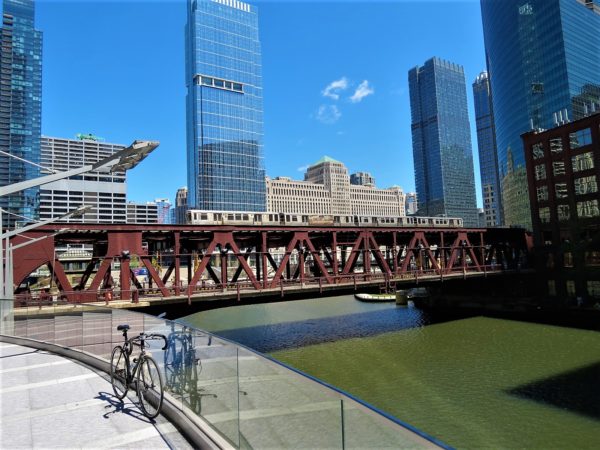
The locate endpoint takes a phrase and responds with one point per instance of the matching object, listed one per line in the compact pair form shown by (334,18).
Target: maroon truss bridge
(188,260)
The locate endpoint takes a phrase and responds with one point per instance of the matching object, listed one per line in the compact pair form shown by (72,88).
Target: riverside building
(20,107)
(488,157)
(106,192)
(326,190)
(224,107)
(563,169)
(142,212)
(543,59)
(441,137)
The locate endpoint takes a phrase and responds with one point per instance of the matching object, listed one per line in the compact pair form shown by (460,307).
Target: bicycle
(145,372)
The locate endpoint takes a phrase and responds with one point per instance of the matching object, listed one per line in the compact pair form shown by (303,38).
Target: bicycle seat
(123,327)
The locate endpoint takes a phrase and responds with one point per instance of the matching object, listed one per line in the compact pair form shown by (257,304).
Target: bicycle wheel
(118,371)
(149,387)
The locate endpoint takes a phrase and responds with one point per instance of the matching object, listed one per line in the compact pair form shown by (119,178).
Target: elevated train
(202,217)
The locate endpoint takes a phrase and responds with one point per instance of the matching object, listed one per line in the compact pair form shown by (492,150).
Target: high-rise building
(488,157)
(224,107)
(181,205)
(142,212)
(105,192)
(20,107)
(362,179)
(441,138)
(163,206)
(543,59)
(411,204)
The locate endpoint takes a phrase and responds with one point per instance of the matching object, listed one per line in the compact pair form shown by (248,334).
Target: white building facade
(105,192)
(326,190)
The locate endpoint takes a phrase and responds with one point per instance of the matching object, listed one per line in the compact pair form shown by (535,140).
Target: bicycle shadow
(122,407)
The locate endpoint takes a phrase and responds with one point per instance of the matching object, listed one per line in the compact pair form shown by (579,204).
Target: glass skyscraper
(20,107)
(488,157)
(441,139)
(224,107)
(543,60)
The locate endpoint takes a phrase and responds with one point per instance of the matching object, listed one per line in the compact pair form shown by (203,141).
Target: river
(476,382)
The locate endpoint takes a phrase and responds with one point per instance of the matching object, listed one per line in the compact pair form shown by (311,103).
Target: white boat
(376,297)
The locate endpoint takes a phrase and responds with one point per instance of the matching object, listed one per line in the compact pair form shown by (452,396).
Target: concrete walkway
(47,401)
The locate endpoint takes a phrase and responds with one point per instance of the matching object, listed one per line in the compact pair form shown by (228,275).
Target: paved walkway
(47,401)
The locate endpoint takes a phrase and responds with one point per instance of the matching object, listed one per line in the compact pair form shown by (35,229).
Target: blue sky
(116,70)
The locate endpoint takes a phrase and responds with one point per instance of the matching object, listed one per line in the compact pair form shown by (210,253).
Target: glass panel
(561,190)
(588,208)
(40,323)
(563,212)
(556,146)
(592,258)
(173,363)
(7,315)
(216,391)
(570,288)
(542,193)
(544,214)
(593,288)
(538,150)
(580,138)
(97,325)
(540,172)
(68,326)
(581,162)
(298,413)
(558,168)
(586,185)
(363,429)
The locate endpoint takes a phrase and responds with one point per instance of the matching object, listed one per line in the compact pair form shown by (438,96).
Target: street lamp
(120,161)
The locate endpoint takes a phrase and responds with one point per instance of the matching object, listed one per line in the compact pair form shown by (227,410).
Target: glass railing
(250,400)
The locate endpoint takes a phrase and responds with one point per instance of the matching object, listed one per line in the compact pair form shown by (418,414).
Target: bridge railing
(243,398)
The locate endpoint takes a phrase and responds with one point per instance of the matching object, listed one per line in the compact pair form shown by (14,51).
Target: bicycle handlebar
(149,337)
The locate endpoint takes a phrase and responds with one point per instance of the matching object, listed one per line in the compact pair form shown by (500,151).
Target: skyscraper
(224,107)
(20,107)
(488,157)
(543,59)
(441,138)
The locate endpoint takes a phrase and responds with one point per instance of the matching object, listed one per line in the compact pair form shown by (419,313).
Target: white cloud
(302,168)
(328,114)
(362,91)
(332,90)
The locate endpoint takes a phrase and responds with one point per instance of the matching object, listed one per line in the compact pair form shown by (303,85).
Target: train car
(241,218)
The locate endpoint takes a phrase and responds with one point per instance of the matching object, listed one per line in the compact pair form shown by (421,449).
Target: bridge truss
(183,260)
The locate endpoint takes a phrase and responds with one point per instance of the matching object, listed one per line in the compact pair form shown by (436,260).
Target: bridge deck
(50,401)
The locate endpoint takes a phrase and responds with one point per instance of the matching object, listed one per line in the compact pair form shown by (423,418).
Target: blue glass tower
(20,107)
(224,107)
(488,157)
(441,139)
(543,59)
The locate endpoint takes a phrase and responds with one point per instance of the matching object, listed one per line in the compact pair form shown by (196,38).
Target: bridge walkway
(49,401)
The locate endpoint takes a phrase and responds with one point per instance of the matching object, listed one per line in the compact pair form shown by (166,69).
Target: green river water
(474,383)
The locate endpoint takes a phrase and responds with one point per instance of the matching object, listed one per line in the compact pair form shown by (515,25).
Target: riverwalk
(48,401)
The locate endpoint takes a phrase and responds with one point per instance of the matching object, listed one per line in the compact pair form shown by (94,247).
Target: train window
(294,218)
(230,216)
(336,219)
(203,216)
(257,218)
(304,218)
(245,216)
(218,216)
(287,217)
(238,217)
(430,221)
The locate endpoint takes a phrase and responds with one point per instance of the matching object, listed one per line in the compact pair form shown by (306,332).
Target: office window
(556,146)
(544,214)
(584,161)
(587,209)
(580,138)
(540,172)
(542,193)
(586,185)
(538,150)
(560,189)
(558,168)
(563,213)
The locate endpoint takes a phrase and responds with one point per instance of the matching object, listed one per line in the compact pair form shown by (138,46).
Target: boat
(376,297)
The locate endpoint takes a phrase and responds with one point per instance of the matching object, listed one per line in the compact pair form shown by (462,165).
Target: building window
(540,172)
(558,168)
(542,193)
(592,258)
(586,185)
(556,146)
(584,161)
(544,214)
(588,208)
(580,138)
(563,213)
(560,189)
(568,259)
(593,288)
(551,288)
(538,150)
(570,288)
